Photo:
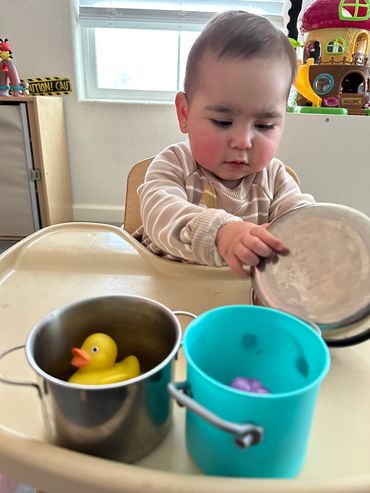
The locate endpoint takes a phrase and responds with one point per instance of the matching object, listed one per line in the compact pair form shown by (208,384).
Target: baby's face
(236,115)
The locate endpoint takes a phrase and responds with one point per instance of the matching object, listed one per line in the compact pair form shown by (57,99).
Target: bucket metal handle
(12,381)
(246,434)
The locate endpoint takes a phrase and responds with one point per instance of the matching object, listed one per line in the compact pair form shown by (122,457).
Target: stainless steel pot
(125,420)
(325,278)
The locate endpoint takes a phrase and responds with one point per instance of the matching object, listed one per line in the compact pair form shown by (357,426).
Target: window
(336,46)
(136,50)
(354,10)
(323,84)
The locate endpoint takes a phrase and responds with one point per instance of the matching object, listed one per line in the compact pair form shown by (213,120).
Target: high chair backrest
(132,218)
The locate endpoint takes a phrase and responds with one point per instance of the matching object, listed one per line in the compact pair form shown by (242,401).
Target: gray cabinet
(34,174)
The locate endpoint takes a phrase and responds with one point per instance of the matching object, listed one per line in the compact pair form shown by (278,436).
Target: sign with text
(48,86)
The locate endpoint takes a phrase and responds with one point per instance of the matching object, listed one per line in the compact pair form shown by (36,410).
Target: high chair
(132,219)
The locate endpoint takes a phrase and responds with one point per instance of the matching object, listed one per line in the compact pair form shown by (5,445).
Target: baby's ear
(181,103)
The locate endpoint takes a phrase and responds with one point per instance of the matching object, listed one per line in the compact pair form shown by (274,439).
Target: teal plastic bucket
(235,433)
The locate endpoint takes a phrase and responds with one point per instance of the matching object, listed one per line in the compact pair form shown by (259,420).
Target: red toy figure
(9,79)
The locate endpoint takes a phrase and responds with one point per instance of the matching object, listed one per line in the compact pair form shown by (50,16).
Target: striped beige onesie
(183,205)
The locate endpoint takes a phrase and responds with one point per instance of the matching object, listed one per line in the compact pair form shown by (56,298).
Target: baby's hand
(243,243)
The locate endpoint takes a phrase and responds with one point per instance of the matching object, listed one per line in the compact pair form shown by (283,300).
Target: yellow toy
(96,364)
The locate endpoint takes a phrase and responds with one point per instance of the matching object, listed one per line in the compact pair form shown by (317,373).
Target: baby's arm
(172,224)
(287,195)
(243,243)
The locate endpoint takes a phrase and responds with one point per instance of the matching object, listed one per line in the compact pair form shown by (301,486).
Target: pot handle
(11,381)
(245,434)
(252,300)
(185,314)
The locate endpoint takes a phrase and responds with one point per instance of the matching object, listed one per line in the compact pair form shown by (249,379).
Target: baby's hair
(238,35)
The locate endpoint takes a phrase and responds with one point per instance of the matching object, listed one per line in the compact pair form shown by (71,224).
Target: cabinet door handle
(35,174)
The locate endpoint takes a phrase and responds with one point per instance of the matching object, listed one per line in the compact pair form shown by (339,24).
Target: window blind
(173,14)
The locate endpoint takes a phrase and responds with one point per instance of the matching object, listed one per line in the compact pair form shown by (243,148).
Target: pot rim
(62,383)
(334,337)
(264,276)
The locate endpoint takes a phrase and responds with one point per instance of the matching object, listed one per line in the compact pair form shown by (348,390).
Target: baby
(209,200)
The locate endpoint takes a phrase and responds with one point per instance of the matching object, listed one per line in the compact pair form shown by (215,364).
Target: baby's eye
(94,349)
(221,123)
(265,126)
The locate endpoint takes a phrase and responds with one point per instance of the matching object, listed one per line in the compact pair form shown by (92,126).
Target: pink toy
(9,79)
(249,385)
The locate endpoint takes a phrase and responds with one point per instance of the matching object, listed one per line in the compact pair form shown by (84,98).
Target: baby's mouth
(236,164)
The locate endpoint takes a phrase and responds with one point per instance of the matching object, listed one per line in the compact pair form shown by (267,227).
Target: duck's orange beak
(80,357)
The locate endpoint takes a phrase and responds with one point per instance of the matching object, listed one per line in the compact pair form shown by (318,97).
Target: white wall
(106,138)
(331,155)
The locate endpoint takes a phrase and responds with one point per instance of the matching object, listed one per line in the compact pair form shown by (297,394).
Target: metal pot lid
(325,277)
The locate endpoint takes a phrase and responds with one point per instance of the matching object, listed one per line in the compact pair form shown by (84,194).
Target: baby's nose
(242,139)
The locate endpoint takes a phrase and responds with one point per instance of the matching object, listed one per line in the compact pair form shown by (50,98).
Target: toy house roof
(320,14)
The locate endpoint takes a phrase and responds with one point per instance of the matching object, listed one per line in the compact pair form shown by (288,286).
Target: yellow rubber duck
(96,364)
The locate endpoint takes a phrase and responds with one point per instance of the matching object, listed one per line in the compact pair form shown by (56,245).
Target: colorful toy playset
(334,72)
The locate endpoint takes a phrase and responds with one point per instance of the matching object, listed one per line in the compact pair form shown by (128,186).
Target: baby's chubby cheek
(264,154)
(207,151)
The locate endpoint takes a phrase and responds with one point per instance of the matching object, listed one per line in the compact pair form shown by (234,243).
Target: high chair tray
(68,262)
